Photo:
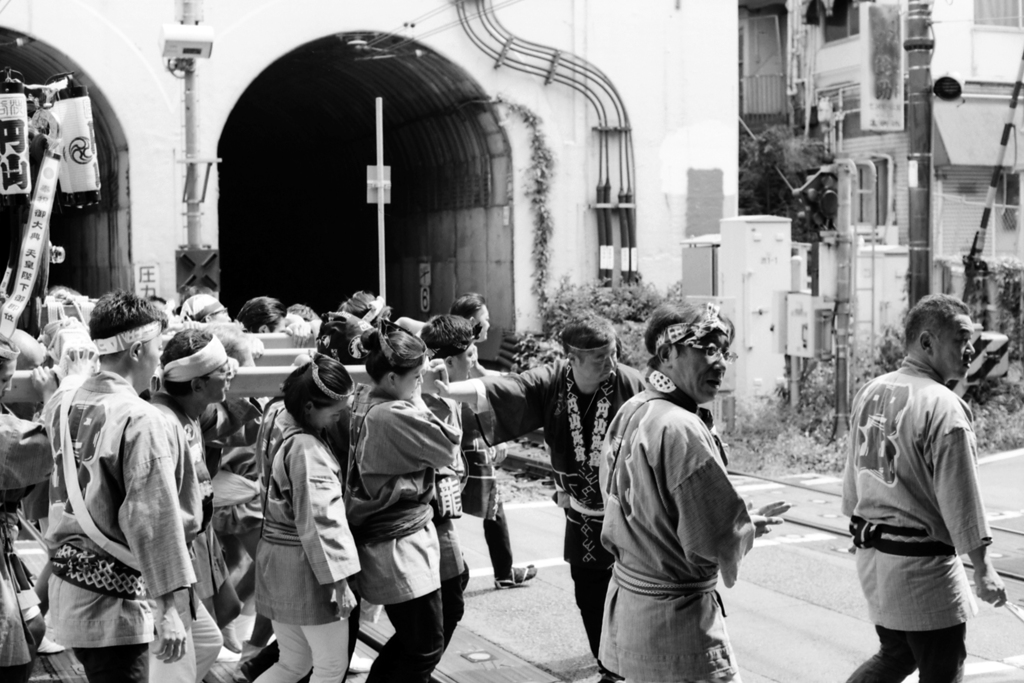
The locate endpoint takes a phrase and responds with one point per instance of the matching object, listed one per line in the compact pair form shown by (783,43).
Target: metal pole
(191,14)
(919,45)
(844,284)
(381,265)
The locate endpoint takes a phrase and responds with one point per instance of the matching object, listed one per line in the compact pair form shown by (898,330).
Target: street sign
(371,184)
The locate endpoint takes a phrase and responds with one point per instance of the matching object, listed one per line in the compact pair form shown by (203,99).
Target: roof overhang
(969,133)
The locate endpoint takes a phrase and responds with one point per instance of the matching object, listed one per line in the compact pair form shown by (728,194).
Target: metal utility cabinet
(754,271)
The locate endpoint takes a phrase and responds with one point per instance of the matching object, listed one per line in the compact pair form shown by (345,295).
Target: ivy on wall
(538,188)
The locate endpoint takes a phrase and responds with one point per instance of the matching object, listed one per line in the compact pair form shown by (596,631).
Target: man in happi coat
(574,401)
(196,376)
(674,522)
(911,490)
(25,462)
(118,545)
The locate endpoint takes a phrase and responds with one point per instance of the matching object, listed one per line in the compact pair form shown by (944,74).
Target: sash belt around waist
(99,574)
(635,582)
(277,533)
(868,535)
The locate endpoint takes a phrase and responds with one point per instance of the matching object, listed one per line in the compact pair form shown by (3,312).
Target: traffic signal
(819,200)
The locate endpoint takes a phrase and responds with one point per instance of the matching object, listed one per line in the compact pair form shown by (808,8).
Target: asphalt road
(797,614)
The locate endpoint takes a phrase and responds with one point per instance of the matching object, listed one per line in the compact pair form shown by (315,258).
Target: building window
(1006,13)
(844,21)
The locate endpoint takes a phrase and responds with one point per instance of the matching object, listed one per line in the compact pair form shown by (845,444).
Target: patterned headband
(333,395)
(691,333)
(124,340)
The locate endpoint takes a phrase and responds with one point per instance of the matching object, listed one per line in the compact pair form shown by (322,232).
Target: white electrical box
(754,266)
(800,327)
(186,41)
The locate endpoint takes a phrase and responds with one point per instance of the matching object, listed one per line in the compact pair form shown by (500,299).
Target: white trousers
(204,643)
(323,648)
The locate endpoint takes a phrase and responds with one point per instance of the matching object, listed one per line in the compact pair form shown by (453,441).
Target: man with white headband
(574,400)
(118,545)
(197,373)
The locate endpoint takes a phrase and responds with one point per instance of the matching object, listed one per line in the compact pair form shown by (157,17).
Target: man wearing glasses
(673,521)
(574,401)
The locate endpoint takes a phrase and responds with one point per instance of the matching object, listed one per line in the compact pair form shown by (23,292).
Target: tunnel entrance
(96,238)
(294,220)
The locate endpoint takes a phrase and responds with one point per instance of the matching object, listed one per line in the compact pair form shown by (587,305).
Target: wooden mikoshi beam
(264,381)
(277,357)
(280,340)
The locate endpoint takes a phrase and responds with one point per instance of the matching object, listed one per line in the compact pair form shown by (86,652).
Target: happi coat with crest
(675,526)
(574,429)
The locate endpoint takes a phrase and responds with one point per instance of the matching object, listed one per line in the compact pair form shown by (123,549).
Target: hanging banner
(34,245)
(881,78)
(15,178)
(80,173)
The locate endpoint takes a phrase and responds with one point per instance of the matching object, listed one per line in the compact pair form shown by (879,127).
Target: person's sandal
(518,577)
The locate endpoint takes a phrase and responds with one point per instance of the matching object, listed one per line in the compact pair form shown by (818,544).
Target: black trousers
(453,603)
(498,545)
(411,655)
(938,655)
(115,664)
(591,587)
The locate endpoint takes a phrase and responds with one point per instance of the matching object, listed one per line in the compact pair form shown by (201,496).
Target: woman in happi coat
(306,554)
(397,445)
(673,521)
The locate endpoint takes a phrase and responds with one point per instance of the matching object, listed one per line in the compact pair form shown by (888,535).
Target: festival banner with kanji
(34,245)
(881,78)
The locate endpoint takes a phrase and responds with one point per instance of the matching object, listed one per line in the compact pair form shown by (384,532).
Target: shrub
(627,307)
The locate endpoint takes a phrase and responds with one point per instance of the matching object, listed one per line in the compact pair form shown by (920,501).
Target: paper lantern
(15,174)
(80,171)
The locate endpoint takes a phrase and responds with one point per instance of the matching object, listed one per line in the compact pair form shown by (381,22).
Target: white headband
(202,362)
(124,340)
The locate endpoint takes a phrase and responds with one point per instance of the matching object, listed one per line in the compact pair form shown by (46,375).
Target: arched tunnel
(293,212)
(96,238)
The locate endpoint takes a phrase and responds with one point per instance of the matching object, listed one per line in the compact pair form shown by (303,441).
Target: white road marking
(744,488)
(539,564)
(1004,514)
(29,548)
(975,669)
(530,505)
(792,538)
(821,481)
(996,457)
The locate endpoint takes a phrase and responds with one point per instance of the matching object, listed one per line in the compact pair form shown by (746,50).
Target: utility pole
(191,14)
(844,292)
(919,46)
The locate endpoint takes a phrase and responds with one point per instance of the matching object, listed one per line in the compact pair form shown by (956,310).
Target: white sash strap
(78,507)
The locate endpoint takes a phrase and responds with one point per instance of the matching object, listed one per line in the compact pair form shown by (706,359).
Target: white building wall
(674,64)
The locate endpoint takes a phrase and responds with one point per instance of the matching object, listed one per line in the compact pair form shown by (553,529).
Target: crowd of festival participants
(150,486)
